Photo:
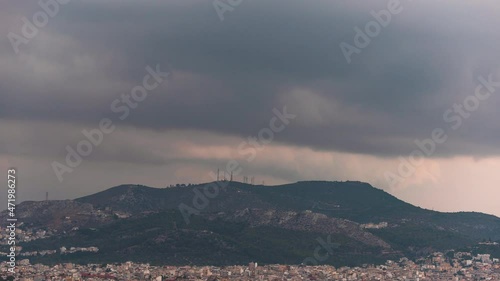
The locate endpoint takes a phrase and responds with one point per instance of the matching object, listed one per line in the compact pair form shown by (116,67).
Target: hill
(355,201)
(233,222)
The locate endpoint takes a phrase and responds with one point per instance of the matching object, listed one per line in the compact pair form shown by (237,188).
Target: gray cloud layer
(229,75)
(232,72)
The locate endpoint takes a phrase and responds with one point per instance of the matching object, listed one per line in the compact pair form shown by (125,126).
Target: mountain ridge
(371,224)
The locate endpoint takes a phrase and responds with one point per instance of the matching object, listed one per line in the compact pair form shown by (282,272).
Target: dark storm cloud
(228,76)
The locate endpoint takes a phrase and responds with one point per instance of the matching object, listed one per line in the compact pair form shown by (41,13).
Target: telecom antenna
(46,196)
(231,176)
(217,174)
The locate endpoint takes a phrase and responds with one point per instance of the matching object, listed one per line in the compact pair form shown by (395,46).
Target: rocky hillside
(304,221)
(245,222)
(355,201)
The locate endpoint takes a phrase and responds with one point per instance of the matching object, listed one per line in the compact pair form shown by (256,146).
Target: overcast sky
(355,120)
